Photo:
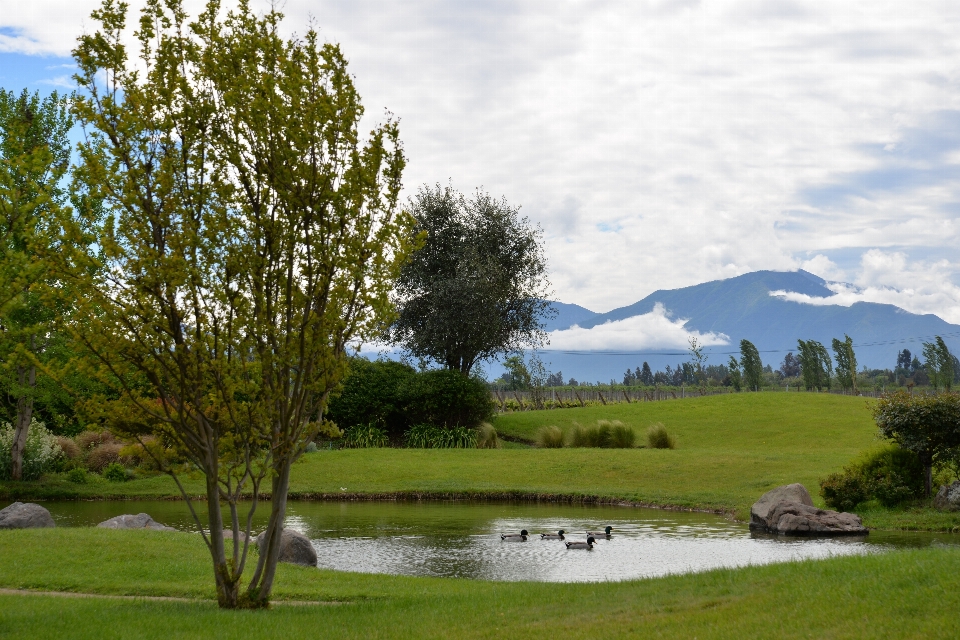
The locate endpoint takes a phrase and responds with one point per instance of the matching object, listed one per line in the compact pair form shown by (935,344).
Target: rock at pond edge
(295,548)
(20,515)
(139,521)
(760,510)
(948,498)
(789,510)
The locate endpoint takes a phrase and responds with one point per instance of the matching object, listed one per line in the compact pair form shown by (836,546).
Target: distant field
(899,594)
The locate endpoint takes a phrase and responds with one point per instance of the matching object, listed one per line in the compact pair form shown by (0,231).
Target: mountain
(568,315)
(742,307)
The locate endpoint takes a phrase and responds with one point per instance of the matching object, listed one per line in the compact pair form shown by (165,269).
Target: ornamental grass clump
(658,438)
(607,434)
(427,436)
(365,436)
(105,454)
(487,437)
(622,436)
(550,438)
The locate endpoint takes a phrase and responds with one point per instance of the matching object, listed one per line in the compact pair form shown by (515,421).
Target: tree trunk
(28,377)
(262,583)
(927,461)
(228,585)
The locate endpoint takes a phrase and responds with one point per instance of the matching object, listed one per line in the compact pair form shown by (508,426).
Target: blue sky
(659,143)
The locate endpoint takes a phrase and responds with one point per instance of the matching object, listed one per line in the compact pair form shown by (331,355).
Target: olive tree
(34,158)
(248,236)
(477,288)
(926,423)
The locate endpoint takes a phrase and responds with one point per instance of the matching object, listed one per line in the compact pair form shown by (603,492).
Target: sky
(658,143)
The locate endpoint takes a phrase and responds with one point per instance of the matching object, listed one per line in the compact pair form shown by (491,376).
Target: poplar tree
(846,363)
(751,365)
(815,364)
(248,236)
(939,364)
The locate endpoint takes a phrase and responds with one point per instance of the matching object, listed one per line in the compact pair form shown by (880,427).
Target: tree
(646,375)
(698,359)
(736,378)
(903,360)
(846,363)
(925,423)
(517,376)
(751,365)
(938,363)
(790,367)
(815,364)
(249,236)
(34,158)
(477,288)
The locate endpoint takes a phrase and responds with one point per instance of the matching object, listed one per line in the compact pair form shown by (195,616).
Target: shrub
(77,475)
(658,438)
(89,440)
(550,438)
(40,455)
(487,437)
(311,447)
(607,434)
(70,449)
(890,475)
(371,394)
(425,436)
(446,399)
(100,457)
(365,436)
(114,472)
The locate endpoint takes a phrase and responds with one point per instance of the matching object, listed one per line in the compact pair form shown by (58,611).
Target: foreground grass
(898,594)
(731,449)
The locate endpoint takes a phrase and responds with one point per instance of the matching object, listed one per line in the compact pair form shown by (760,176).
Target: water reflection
(459,539)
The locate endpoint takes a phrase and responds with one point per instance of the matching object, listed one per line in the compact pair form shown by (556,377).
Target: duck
(581,545)
(514,537)
(552,536)
(601,534)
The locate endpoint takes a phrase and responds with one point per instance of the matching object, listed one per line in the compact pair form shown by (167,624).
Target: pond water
(462,539)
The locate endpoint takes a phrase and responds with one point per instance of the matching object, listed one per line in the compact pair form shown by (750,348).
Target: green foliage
(890,475)
(478,286)
(365,437)
(846,363)
(604,434)
(815,364)
(939,364)
(751,365)
(736,378)
(516,376)
(426,436)
(373,392)
(622,436)
(446,398)
(550,437)
(658,438)
(926,424)
(115,472)
(77,475)
(40,454)
(487,437)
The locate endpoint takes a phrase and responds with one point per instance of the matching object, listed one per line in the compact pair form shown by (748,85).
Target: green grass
(912,593)
(730,450)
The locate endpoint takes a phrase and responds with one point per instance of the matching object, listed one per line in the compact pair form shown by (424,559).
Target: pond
(462,539)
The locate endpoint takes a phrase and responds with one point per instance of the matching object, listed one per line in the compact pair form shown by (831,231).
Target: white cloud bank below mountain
(654,330)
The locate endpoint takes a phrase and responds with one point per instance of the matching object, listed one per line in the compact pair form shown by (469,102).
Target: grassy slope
(902,594)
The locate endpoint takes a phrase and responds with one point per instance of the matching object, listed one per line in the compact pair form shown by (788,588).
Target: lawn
(912,593)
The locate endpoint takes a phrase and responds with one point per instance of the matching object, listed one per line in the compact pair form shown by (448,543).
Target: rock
(295,548)
(21,515)
(760,511)
(796,519)
(788,510)
(228,535)
(947,499)
(139,521)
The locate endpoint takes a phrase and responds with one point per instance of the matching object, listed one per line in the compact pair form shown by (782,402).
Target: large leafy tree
(248,235)
(477,288)
(939,364)
(815,364)
(751,365)
(927,424)
(34,159)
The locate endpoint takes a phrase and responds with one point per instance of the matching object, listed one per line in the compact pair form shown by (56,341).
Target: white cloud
(890,278)
(660,143)
(654,330)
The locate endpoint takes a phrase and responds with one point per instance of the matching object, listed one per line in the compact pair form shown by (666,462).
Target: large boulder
(295,548)
(760,512)
(948,498)
(139,521)
(21,515)
(789,510)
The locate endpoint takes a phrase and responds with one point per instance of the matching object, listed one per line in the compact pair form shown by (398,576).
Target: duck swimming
(552,536)
(601,534)
(514,537)
(581,545)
